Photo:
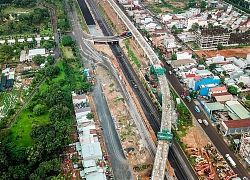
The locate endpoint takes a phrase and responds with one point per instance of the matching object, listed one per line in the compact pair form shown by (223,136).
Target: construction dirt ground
(240,52)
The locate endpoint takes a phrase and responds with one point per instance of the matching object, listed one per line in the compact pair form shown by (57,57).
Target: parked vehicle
(230,160)
(200,121)
(126,33)
(205,122)
(188,98)
(197,109)
(170,72)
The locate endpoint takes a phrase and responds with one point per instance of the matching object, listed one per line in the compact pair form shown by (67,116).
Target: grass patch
(194,45)
(11,9)
(27,119)
(23,125)
(67,51)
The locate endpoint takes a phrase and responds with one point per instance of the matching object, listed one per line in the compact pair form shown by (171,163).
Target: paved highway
(118,160)
(210,130)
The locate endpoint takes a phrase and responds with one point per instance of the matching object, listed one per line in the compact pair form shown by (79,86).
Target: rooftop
(238,109)
(221,88)
(34,52)
(215,106)
(237,123)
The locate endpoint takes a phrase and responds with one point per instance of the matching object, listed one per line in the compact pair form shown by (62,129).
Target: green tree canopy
(233,90)
(38,59)
(67,40)
(39,109)
(174,57)
(58,113)
(241,84)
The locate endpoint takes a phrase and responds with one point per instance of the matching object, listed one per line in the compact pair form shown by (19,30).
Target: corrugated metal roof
(215,106)
(237,123)
(238,109)
(222,88)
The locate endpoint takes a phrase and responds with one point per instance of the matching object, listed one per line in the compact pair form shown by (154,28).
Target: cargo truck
(230,160)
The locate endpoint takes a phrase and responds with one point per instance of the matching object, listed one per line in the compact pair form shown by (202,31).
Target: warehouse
(235,126)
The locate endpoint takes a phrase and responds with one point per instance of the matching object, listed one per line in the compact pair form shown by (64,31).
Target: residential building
(235,126)
(200,21)
(184,55)
(244,150)
(210,38)
(169,42)
(219,89)
(187,36)
(245,79)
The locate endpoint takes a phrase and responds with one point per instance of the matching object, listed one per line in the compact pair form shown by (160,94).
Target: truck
(188,98)
(230,160)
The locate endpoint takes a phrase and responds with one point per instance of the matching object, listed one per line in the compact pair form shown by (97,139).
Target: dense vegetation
(241,4)
(21,3)
(14,23)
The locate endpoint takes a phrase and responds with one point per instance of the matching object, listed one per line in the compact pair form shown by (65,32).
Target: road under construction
(164,131)
(164,136)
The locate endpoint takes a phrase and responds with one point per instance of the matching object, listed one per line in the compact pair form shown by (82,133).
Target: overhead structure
(163,143)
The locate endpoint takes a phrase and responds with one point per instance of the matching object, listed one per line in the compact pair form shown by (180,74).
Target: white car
(200,121)
(170,72)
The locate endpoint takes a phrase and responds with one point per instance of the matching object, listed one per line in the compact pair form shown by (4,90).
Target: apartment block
(210,38)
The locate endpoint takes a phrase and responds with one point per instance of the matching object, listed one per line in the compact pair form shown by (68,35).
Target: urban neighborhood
(125,89)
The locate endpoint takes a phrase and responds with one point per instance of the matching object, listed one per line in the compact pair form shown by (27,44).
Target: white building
(169,42)
(191,21)
(240,62)
(245,79)
(183,55)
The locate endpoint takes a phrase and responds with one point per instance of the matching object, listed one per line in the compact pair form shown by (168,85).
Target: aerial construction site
(209,164)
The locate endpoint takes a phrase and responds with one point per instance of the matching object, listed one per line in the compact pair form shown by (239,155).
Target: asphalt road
(209,130)
(118,160)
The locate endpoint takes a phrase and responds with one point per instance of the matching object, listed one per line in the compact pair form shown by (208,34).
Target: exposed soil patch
(240,52)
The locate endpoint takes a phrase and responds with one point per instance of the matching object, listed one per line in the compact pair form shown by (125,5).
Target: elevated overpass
(104,39)
(164,136)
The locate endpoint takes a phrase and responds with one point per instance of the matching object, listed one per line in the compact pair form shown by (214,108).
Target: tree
(241,84)
(90,116)
(52,71)
(247,103)
(233,90)
(195,26)
(58,113)
(174,57)
(38,59)
(50,59)
(220,46)
(86,86)
(212,66)
(39,109)
(66,40)
(209,16)
(248,97)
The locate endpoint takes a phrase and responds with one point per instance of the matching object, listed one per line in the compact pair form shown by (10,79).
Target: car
(245,178)
(170,72)
(205,122)
(197,109)
(200,121)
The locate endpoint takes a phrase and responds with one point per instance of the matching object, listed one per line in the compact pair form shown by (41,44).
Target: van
(196,108)
(205,122)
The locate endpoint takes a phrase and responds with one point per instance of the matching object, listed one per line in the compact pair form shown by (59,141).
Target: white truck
(230,160)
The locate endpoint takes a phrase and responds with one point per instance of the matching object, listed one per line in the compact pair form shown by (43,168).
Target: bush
(39,109)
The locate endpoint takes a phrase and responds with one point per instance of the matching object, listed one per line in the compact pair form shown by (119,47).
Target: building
(219,89)
(184,55)
(33,52)
(88,147)
(235,126)
(169,42)
(222,97)
(236,110)
(210,38)
(215,106)
(244,150)
(199,81)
